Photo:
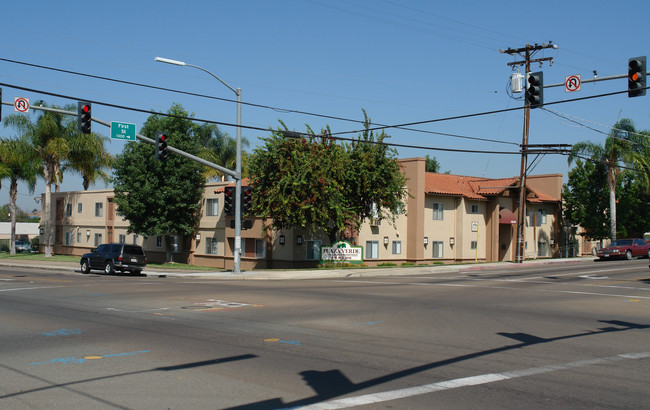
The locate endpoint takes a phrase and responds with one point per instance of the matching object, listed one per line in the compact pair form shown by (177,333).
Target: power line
(290,133)
(277,109)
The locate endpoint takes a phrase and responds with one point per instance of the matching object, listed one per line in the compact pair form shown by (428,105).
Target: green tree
(161,198)
(432,164)
(585,199)
(633,200)
(22,163)
(618,148)
(315,183)
(48,134)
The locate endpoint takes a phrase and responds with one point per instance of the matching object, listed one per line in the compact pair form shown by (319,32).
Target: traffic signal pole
(528,52)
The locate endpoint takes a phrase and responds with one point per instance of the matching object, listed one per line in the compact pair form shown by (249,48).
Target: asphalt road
(551,336)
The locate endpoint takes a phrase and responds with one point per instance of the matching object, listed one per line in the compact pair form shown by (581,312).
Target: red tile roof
(475,187)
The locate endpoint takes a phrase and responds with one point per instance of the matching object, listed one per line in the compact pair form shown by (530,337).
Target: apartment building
(448,218)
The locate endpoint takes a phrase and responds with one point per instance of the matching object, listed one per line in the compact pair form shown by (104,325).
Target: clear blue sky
(402,61)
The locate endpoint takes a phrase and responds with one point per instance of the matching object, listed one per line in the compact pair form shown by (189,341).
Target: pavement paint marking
(63,332)
(370,323)
(32,288)
(135,311)
(74,359)
(462,285)
(291,342)
(467,381)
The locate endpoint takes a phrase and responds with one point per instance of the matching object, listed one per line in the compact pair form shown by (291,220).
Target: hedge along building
(448,218)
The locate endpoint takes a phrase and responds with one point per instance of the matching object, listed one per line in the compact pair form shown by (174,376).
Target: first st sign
(122,131)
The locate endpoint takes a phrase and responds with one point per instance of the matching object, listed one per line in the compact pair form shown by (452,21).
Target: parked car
(625,248)
(111,257)
(22,246)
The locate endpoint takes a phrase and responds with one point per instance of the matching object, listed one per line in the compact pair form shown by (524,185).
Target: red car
(624,248)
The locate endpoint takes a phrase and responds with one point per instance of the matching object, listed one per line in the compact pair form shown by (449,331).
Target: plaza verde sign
(342,251)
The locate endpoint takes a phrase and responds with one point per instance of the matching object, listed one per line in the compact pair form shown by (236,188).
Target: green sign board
(122,131)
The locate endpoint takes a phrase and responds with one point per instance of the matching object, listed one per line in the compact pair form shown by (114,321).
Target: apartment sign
(342,251)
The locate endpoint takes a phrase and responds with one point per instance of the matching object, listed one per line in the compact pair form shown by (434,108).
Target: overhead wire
(277,109)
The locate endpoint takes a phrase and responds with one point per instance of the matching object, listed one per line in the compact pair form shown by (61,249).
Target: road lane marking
(34,287)
(467,381)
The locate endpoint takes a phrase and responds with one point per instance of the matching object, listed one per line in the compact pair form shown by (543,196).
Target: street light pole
(237,256)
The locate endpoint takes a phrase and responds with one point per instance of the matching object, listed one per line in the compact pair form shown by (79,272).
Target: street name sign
(122,131)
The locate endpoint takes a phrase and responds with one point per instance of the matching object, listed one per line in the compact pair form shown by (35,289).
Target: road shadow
(333,383)
(69,386)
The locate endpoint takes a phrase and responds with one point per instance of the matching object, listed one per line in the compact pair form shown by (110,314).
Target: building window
(438,247)
(260,248)
(122,238)
(212,207)
(372,249)
(68,238)
(437,211)
(98,239)
(543,212)
(211,246)
(474,209)
(79,208)
(68,209)
(397,247)
(78,236)
(313,250)
(99,209)
(473,245)
(159,240)
(135,239)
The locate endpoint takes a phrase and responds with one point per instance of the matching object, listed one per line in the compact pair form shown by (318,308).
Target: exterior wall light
(385,240)
(282,239)
(452,241)
(426,240)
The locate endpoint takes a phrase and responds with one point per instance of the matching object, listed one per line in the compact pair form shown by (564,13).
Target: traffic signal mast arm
(145,139)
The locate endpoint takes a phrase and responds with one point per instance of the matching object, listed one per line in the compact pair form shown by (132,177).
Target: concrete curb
(308,274)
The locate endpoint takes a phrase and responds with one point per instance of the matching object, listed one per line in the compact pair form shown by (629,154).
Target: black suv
(111,257)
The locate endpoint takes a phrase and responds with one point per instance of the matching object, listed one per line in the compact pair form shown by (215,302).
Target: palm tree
(619,148)
(48,135)
(20,163)
(89,157)
(218,148)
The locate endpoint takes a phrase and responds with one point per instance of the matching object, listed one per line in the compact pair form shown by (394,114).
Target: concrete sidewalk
(73,268)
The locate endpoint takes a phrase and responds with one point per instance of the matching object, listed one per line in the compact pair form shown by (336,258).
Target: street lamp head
(169,61)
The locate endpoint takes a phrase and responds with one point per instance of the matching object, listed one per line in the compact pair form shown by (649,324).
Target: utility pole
(526,53)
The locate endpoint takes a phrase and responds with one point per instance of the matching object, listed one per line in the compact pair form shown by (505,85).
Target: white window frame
(79,207)
(473,245)
(438,211)
(68,238)
(474,209)
(99,209)
(438,249)
(98,239)
(397,247)
(211,246)
(372,250)
(260,248)
(212,207)
(68,209)
(78,236)
(159,241)
(121,238)
(313,250)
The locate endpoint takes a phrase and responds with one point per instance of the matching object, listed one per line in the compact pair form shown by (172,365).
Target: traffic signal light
(535,89)
(83,117)
(636,77)
(246,200)
(229,201)
(161,146)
